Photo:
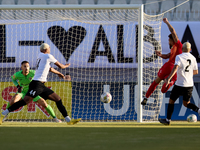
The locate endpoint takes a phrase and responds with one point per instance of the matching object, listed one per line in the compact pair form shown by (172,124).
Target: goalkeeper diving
(37,85)
(21,80)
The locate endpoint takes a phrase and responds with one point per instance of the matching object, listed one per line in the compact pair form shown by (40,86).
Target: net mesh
(102,47)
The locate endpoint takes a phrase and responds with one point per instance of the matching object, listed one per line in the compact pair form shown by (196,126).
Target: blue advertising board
(86,102)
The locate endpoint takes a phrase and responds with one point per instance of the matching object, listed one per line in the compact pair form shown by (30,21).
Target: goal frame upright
(121,6)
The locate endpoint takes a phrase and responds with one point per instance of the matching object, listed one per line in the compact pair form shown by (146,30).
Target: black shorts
(38,88)
(177,91)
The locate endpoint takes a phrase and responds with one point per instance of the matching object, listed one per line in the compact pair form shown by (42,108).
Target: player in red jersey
(165,70)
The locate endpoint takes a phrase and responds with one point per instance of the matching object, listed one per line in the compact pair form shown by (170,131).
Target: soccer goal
(110,49)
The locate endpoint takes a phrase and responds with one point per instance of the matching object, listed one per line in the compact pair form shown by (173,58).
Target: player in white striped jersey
(37,87)
(185,66)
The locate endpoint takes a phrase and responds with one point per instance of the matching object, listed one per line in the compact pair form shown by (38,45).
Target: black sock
(16,105)
(61,108)
(170,110)
(193,107)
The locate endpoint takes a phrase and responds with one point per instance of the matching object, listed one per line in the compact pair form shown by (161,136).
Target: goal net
(102,45)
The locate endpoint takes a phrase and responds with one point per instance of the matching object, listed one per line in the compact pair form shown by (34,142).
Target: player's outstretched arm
(57,72)
(61,65)
(171,29)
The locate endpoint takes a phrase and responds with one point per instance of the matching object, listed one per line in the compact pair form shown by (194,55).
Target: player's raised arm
(61,65)
(172,30)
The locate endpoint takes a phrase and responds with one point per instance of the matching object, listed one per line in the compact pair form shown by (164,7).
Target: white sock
(5,112)
(68,119)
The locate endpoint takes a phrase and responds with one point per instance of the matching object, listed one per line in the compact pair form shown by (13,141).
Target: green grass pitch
(99,136)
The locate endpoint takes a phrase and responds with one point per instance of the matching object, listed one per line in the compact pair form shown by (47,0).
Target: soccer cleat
(5,117)
(73,121)
(164,121)
(1,119)
(57,120)
(144,102)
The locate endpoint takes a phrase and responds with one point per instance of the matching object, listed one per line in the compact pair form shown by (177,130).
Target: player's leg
(15,106)
(32,93)
(48,108)
(163,71)
(186,100)
(164,88)
(153,87)
(27,99)
(54,97)
(191,106)
(14,99)
(51,95)
(167,70)
(175,93)
(18,104)
(17,97)
(151,90)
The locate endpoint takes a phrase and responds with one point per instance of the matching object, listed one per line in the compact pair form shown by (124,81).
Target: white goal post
(110,48)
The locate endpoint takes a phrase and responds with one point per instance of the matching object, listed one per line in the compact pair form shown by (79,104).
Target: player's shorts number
(32,92)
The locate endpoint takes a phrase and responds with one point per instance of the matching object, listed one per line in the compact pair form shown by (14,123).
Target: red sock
(151,89)
(164,88)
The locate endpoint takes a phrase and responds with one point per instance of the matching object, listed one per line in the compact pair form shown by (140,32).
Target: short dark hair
(24,62)
(171,37)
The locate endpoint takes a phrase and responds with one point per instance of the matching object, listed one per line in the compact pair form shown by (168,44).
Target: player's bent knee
(27,99)
(54,97)
(43,103)
(185,103)
(164,88)
(158,80)
(171,101)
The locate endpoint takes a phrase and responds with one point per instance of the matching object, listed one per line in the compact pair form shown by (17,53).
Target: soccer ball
(106,97)
(192,118)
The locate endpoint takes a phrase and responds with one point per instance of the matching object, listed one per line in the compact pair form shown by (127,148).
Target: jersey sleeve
(14,79)
(52,59)
(195,65)
(177,61)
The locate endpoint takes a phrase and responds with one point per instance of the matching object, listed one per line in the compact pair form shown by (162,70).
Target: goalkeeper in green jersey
(24,77)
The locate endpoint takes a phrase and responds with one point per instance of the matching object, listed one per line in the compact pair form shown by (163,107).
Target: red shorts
(165,71)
